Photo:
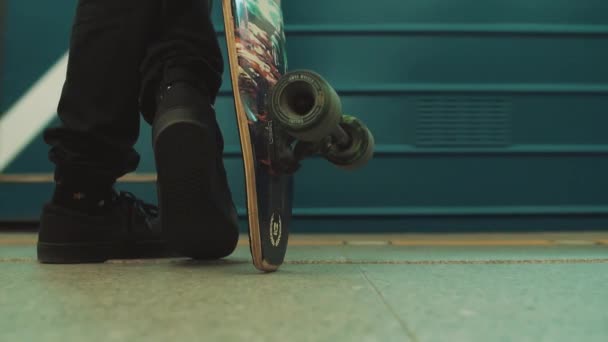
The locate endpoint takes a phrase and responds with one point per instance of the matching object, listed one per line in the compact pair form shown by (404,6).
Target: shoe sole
(80,253)
(58,253)
(185,162)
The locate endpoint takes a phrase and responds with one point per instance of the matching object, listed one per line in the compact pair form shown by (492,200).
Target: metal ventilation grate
(463,121)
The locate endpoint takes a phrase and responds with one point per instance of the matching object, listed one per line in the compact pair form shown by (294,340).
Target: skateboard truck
(309,111)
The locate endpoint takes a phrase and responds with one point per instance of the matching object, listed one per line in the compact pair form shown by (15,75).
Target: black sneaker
(129,229)
(198,216)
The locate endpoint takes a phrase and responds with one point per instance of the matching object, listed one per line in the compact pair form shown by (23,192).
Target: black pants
(121,53)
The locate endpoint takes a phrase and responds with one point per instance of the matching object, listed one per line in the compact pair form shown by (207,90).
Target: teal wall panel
(487,114)
(37,34)
(2,34)
(434,12)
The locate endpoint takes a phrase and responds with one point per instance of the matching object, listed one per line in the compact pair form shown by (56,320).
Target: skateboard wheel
(305,105)
(359,151)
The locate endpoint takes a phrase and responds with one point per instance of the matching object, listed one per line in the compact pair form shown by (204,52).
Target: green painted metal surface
(487,115)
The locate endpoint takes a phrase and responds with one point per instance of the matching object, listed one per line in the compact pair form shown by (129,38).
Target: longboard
(256,50)
(283,118)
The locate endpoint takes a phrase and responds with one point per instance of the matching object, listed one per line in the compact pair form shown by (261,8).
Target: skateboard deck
(257,57)
(283,118)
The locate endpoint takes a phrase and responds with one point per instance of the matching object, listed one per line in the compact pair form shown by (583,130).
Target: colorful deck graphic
(260,42)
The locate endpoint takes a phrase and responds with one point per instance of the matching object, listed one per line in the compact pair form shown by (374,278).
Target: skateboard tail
(248,148)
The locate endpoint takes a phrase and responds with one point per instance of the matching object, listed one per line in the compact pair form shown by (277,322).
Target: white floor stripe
(31,114)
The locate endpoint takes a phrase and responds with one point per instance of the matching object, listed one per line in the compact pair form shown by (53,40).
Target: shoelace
(143,208)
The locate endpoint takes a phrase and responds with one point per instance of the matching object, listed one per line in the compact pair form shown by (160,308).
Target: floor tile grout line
(370,262)
(450,262)
(402,242)
(403,324)
(16,260)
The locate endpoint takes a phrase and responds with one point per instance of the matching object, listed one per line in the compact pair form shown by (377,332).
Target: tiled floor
(333,288)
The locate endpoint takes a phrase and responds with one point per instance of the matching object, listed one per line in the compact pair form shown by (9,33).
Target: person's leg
(93,146)
(99,103)
(183,73)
